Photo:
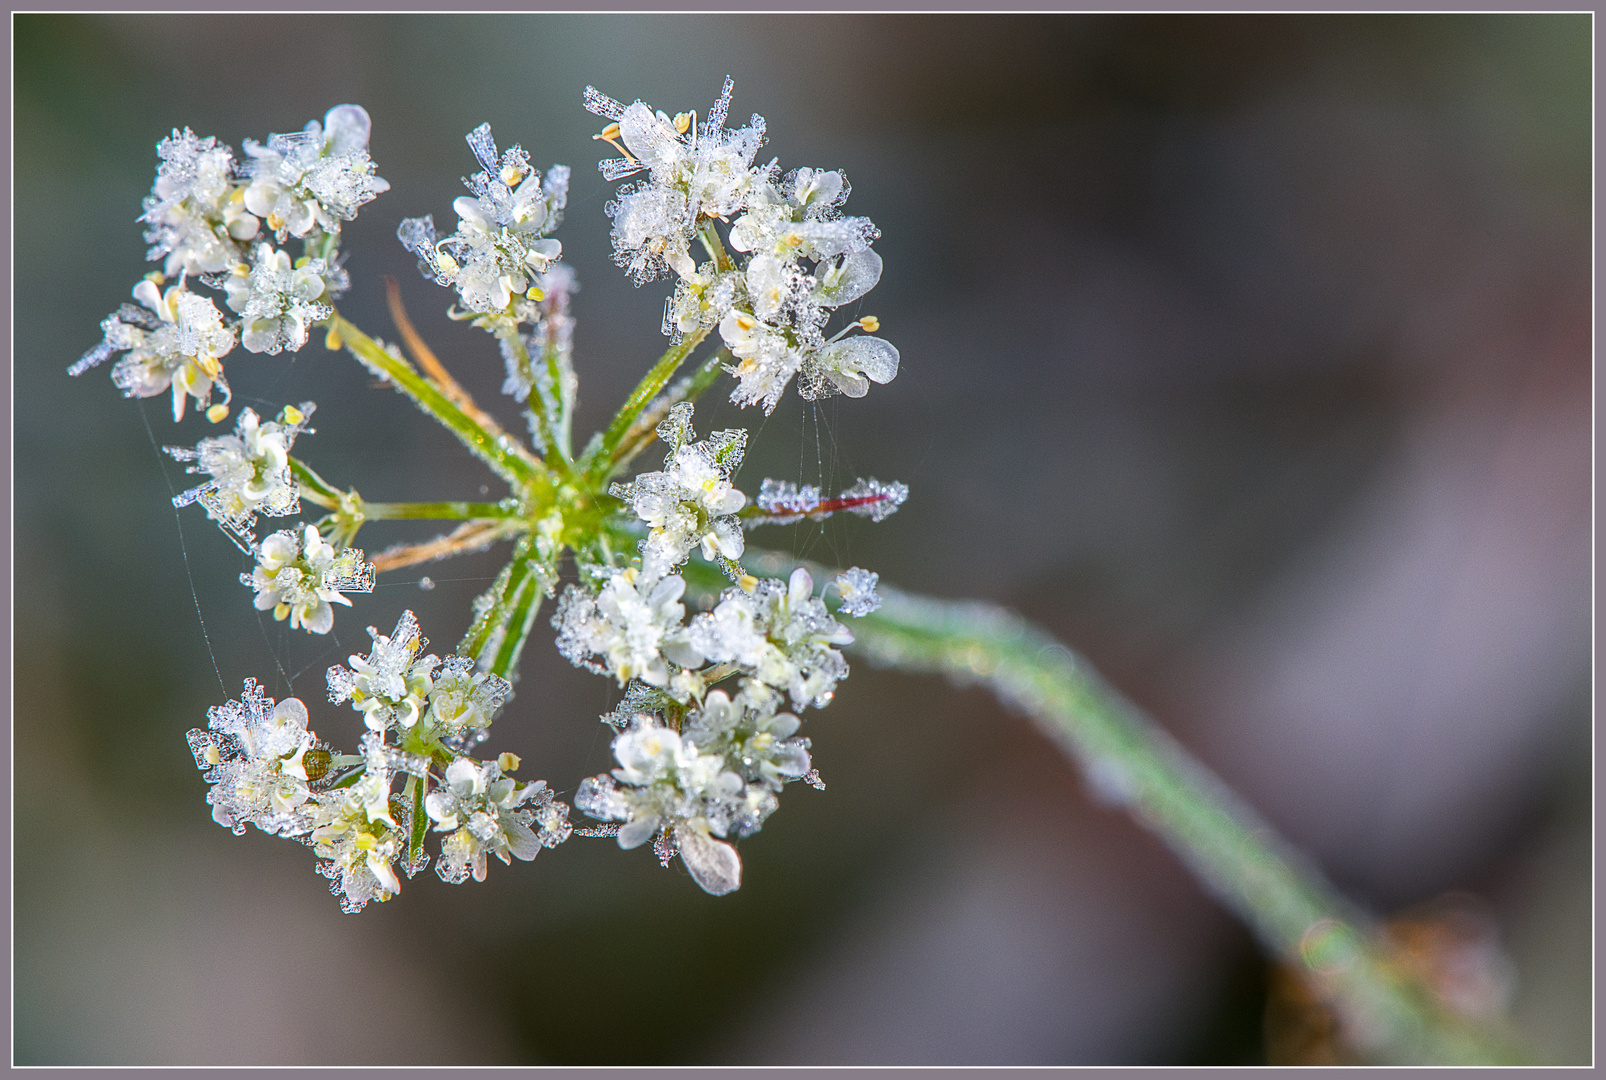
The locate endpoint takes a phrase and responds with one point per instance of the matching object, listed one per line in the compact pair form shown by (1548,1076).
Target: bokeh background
(1250,356)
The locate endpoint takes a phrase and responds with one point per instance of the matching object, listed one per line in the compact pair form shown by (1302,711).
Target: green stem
(539,407)
(644,430)
(1128,759)
(436,511)
(504,456)
(314,488)
(597,457)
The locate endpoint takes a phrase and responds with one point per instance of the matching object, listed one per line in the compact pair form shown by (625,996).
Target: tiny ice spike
(254,756)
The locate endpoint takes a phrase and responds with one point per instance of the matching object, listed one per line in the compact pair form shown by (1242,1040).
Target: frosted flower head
(356,832)
(175,341)
(755,740)
(299,575)
(501,243)
(491,814)
(691,502)
(669,785)
(276,301)
(696,172)
(781,633)
(254,756)
(250,471)
(391,685)
(633,623)
(315,177)
(196,211)
(464,700)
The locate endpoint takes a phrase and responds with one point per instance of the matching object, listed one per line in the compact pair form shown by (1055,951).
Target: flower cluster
(703,740)
(205,218)
(299,575)
(691,502)
(265,768)
(250,471)
(487,813)
(716,777)
(260,759)
(798,257)
(501,243)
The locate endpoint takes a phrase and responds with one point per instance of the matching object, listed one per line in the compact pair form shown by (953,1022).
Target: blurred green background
(1248,355)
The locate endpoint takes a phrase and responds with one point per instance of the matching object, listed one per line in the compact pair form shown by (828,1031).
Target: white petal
(714,864)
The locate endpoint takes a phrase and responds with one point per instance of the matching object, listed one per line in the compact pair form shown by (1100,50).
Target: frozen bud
(299,575)
(873,499)
(857,587)
(464,699)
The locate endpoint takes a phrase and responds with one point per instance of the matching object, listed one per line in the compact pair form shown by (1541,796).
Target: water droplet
(426,583)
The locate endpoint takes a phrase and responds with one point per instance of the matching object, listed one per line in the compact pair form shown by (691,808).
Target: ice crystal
(875,500)
(195,222)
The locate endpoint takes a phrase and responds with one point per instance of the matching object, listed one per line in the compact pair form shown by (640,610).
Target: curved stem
(1130,760)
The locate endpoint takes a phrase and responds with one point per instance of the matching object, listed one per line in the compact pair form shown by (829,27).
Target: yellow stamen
(217,413)
(507,762)
(275,222)
(511,175)
(870,324)
(682,122)
(331,340)
(237,195)
(745,321)
(532,293)
(611,136)
(241,270)
(156,277)
(445,263)
(292,415)
(748,582)
(281,612)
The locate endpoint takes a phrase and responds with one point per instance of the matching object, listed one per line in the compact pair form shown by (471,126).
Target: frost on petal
(849,366)
(714,864)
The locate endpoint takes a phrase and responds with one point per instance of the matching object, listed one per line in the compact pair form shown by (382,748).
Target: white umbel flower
(196,211)
(486,814)
(277,302)
(250,471)
(254,756)
(501,242)
(315,177)
(633,622)
(175,341)
(391,685)
(299,575)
